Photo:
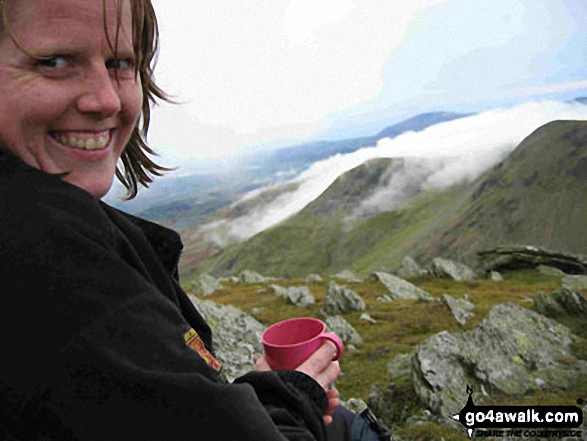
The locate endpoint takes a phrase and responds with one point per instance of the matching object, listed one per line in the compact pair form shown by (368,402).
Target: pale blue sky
(261,70)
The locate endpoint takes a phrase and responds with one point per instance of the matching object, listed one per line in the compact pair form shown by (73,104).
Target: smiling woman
(98,339)
(98,88)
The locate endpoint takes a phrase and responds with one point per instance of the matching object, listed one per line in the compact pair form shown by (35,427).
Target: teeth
(85,142)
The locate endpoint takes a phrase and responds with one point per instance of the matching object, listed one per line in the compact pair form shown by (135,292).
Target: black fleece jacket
(93,331)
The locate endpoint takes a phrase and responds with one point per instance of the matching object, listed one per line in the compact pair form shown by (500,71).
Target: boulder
(341,300)
(520,257)
(461,309)
(401,289)
(400,366)
(311,278)
(299,296)
(249,276)
(512,352)
(561,302)
(496,276)
(347,276)
(205,285)
(410,268)
(574,282)
(453,270)
(236,336)
(343,329)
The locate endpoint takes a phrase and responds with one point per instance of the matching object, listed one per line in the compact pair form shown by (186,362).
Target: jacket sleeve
(97,352)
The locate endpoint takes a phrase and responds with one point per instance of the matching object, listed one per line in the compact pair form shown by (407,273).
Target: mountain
(536,196)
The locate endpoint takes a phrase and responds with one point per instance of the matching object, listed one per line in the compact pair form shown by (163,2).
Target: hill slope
(536,196)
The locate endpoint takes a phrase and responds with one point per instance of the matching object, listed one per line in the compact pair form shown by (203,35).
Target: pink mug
(291,342)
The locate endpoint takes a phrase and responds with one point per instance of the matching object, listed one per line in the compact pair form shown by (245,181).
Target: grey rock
(355,405)
(513,351)
(454,270)
(410,268)
(294,295)
(546,270)
(311,278)
(400,366)
(368,318)
(462,309)
(574,282)
(347,276)
(520,257)
(401,289)
(236,336)
(343,329)
(249,276)
(205,285)
(561,302)
(341,300)
(496,276)
(384,298)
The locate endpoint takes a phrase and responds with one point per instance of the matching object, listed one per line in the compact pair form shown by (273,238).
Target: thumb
(261,363)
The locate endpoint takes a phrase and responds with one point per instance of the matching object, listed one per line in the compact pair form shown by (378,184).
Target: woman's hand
(321,368)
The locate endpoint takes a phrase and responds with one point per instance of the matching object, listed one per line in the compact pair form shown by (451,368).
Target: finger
(320,360)
(328,375)
(261,363)
(327,419)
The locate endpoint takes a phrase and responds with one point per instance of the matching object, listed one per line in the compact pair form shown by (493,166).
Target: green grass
(402,325)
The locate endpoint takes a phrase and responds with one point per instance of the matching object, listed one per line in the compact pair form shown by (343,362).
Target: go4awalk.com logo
(520,421)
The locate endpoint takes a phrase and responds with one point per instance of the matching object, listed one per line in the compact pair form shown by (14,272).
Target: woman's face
(68,112)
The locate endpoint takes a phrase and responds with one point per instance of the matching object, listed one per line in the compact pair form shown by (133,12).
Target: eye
(55,62)
(120,63)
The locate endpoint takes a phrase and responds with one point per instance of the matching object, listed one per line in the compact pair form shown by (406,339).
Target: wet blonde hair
(137,167)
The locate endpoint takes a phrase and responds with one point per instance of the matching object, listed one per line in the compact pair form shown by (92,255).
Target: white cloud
(438,156)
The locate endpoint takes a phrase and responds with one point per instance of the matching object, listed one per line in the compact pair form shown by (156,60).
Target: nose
(100,95)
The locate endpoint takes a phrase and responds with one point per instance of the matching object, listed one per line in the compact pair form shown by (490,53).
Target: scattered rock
(384,298)
(311,278)
(453,270)
(367,318)
(205,285)
(520,257)
(410,268)
(401,289)
(574,282)
(343,329)
(513,351)
(294,295)
(400,366)
(341,300)
(462,309)
(237,336)
(546,270)
(347,276)
(257,310)
(496,276)
(249,276)
(561,302)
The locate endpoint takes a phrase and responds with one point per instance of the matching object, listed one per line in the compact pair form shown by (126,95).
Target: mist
(441,155)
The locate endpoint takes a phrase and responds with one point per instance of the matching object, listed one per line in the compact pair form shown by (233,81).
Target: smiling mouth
(82,140)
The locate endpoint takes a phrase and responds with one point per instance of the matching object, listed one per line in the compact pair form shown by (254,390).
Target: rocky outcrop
(513,351)
(561,302)
(574,282)
(410,268)
(520,257)
(453,270)
(205,285)
(343,329)
(249,276)
(461,309)
(294,295)
(236,336)
(400,289)
(347,276)
(341,300)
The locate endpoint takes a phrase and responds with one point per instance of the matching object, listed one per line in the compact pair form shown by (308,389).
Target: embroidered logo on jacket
(193,340)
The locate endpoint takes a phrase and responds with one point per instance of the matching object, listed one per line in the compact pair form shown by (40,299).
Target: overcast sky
(252,72)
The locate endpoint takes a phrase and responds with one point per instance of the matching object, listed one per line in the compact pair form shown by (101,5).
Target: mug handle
(337,342)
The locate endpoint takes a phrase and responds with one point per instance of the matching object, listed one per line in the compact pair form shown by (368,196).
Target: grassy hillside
(536,196)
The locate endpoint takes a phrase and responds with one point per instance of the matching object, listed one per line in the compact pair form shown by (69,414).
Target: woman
(98,339)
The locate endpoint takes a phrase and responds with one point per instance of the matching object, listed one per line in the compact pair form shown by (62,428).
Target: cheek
(133,102)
